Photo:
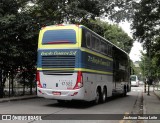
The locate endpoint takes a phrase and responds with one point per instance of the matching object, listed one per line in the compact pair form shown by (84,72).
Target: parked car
(134,80)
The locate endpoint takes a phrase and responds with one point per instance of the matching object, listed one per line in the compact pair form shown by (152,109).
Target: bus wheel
(104,95)
(124,91)
(97,100)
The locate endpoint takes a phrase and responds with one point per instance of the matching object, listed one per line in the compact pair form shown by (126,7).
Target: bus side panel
(92,81)
(99,73)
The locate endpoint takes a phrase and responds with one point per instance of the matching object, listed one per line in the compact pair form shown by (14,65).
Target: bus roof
(82,26)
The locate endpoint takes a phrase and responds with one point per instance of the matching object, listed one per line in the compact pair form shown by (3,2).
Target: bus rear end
(58,76)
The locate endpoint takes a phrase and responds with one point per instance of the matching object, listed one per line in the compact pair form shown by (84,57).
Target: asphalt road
(131,104)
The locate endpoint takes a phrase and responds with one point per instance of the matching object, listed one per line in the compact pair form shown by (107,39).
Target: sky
(135,54)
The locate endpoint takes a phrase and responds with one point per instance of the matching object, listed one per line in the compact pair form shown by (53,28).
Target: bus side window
(102,47)
(109,50)
(97,45)
(93,42)
(106,49)
(88,39)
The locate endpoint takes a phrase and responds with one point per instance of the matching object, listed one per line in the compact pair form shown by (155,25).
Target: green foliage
(65,11)
(8,33)
(122,10)
(118,37)
(18,40)
(150,67)
(156,50)
(136,70)
(144,65)
(146,21)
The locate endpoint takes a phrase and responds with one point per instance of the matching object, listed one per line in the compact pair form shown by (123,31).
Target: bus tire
(97,100)
(128,89)
(104,95)
(124,91)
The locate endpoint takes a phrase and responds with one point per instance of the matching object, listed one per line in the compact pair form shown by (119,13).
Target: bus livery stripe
(97,54)
(76,69)
(72,58)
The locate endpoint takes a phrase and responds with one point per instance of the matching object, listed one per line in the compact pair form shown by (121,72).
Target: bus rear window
(59,36)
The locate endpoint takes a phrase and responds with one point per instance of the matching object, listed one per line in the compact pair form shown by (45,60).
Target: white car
(134,80)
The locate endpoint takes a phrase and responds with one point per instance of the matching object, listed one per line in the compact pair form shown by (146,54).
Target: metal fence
(20,83)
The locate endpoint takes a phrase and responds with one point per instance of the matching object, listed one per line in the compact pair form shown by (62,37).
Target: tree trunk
(24,83)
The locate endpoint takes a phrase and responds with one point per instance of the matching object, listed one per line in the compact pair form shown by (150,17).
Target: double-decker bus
(75,63)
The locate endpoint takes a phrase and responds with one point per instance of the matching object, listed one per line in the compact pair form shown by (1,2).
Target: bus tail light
(79,82)
(38,80)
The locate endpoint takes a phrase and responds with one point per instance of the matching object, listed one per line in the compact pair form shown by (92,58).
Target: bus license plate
(56,93)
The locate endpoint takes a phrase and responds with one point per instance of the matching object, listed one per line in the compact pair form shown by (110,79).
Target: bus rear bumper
(77,94)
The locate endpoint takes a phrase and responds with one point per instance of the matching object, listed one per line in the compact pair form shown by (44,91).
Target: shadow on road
(82,104)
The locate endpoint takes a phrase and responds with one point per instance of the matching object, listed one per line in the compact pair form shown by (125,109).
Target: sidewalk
(17,98)
(151,104)
(157,93)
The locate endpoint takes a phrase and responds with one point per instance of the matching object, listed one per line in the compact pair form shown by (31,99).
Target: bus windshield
(133,78)
(59,36)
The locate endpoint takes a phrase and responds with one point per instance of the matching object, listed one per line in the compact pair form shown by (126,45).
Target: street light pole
(144,75)
(144,80)
(148,90)
(149,72)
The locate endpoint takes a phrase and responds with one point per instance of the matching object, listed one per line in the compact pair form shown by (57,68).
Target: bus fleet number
(67,84)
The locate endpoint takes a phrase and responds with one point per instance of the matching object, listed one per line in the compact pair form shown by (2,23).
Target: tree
(18,39)
(118,37)
(145,64)
(65,11)
(146,21)
(8,14)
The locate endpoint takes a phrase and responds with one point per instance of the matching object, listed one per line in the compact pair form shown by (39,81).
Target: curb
(17,98)
(157,95)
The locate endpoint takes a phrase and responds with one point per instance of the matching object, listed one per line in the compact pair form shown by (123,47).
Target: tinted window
(93,42)
(97,44)
(102,47)
(106,49)
(88,39)
(109,50)
(59,36)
